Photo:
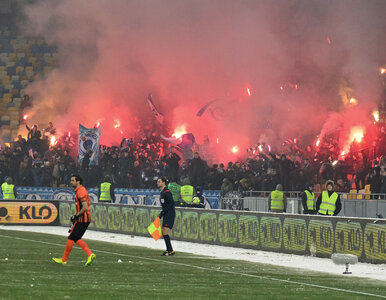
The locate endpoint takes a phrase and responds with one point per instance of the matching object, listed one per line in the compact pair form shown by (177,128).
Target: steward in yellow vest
(186,195)
(8,189)
(328,202)
(106,191)
(309,200)
(277,201)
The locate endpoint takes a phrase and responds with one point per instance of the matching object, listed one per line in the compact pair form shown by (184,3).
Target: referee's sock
(85,248)
(67,250)
(168,243)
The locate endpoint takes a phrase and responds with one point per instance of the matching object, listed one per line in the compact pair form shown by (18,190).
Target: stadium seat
(7,98)
(10,104)
(14,123)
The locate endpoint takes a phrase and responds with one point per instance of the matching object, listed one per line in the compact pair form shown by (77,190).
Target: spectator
(226,187)
(197,168)
(172,166)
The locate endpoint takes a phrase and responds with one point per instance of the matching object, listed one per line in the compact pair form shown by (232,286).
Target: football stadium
(192,149)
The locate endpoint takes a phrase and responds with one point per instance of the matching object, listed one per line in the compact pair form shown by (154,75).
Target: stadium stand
(21,61)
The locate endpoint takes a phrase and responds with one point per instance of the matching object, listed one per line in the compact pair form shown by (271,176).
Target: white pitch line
(209,269)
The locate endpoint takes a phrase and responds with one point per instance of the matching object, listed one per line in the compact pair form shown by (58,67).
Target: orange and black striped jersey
(81,195)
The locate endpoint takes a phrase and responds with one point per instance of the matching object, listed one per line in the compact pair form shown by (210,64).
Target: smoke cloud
(298,58)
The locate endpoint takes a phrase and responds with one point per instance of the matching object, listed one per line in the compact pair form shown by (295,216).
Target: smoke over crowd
(277,69)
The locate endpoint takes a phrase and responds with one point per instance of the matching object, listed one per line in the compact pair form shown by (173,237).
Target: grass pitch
(124,272)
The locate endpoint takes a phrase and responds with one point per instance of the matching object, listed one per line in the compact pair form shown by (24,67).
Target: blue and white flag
(186,141)
(154,110)
(89,139)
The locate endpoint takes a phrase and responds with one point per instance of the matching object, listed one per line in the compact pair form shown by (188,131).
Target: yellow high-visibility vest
(8,191)
(105,192)
(187,192)
(277,200)
(328,204)
(311,201)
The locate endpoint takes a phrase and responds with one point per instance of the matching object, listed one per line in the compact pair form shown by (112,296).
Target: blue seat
(35,48)
(17,85)
(11,71)
(7,138)
(5,123)
(22,61)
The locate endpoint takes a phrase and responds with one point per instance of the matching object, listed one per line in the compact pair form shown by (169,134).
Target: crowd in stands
(137,162)
(35,161)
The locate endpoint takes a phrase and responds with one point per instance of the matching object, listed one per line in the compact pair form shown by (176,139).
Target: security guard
(277,201)
(8,189)
(175,189)
(106,191)
(186,195)
(328,202)
(309,201)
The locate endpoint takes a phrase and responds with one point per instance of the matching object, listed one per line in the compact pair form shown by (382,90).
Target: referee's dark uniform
(169,214)
(168,210)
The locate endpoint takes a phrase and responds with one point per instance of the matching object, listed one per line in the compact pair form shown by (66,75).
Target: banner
(89,139)
(284,233)
(30,213)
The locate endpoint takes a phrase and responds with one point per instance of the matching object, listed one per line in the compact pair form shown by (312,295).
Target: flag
(172,140)
(155,229)
(89,139)
(186,141)
(154,110)
(204,108)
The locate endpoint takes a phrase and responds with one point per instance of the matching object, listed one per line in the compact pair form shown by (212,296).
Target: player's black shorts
(77,231)
(168,220)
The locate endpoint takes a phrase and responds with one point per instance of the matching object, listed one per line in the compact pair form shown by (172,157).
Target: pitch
(123,272)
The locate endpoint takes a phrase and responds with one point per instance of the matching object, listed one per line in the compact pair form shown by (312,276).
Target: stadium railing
(368,206)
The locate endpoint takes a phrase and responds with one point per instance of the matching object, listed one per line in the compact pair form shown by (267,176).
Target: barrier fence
(372,207)
(286,233)
(265,231)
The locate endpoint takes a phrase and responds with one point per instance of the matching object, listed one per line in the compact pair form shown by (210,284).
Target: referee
(80,222)
(168,214)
